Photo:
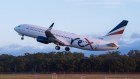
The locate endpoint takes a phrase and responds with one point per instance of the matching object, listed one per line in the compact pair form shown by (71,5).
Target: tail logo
(119,29)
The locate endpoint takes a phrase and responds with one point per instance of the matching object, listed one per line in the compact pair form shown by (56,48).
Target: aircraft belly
(104,47)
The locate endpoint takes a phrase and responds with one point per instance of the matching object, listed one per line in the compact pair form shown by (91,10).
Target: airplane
(61,38)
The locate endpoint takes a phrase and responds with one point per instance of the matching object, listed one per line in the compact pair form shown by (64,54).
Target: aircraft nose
(15,29)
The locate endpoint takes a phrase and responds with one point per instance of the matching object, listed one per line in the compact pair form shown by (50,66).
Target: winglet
(50,27)
(48,31)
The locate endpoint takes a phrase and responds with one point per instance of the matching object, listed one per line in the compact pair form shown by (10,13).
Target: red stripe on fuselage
(89,43)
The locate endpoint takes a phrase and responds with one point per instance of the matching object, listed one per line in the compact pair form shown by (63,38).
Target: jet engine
(42,39)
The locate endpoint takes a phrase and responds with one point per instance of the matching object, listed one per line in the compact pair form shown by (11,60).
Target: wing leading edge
(52,38)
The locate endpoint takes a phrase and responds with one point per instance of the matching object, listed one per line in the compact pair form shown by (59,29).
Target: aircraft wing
(52,38)
(64,41)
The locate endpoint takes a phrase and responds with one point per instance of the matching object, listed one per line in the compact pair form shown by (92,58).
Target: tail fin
(115,34)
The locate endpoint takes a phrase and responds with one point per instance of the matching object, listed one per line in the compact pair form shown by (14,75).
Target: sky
(83,17)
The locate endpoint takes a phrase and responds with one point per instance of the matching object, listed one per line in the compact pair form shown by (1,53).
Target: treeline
(67,62)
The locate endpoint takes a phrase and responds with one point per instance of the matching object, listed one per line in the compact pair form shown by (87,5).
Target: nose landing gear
(22,38)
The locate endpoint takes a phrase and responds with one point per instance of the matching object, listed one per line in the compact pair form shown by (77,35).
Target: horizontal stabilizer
(112,45)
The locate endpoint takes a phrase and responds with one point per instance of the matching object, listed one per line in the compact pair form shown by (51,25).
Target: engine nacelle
(42,39)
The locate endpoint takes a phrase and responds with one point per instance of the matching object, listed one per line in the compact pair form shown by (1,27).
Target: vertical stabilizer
(115,34)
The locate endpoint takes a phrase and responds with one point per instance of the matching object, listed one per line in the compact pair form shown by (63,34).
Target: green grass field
(69,76)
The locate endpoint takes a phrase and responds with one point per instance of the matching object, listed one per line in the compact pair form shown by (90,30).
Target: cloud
(135,36)
(125,48)
(15,49)
(130,43)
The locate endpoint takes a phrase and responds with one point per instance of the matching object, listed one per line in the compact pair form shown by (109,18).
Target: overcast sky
(83,17)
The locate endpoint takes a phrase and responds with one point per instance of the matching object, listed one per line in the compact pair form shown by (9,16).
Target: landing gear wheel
(22,38)
(67,48)
(57,47)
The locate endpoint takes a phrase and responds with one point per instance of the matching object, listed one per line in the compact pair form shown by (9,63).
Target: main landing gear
(67,48)
(58,48)
(22,38)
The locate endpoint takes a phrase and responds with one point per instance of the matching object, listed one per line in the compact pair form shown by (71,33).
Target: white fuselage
(70,39)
